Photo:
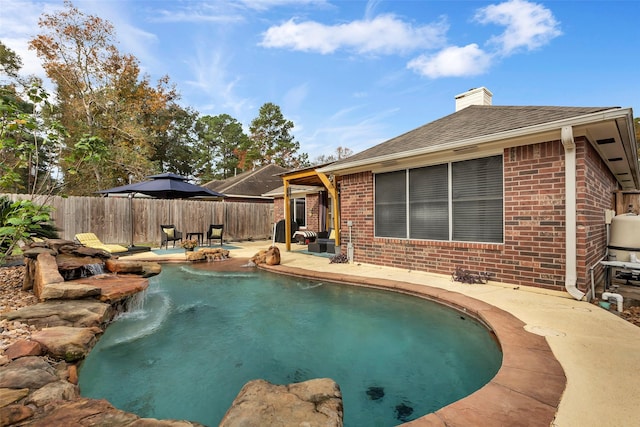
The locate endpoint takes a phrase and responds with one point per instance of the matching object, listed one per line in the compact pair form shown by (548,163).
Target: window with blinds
(477,200)
(429,203)
(459,201)
(391,204)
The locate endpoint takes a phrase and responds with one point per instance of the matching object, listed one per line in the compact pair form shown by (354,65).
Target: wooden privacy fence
(111,218)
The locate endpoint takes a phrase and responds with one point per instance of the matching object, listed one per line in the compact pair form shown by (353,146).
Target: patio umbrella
(165,186)
(162,186)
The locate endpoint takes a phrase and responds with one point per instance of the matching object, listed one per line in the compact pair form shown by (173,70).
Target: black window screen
(477,200)
(391,204)
(429,203)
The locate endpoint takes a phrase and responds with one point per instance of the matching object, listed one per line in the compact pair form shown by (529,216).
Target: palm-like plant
(22,221)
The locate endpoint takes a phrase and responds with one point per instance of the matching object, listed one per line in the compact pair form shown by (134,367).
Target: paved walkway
(599,352)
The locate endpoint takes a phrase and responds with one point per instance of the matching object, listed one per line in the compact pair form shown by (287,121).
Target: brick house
(515,191)
(249,186)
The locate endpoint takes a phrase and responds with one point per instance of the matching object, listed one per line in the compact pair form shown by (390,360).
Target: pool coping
(526,390)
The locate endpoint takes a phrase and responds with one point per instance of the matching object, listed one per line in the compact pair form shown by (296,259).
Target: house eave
(244,196)
(622,118)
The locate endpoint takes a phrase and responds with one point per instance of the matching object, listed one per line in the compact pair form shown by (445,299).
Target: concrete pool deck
(598,351)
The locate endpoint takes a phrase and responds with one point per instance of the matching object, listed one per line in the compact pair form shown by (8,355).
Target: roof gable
(253,183)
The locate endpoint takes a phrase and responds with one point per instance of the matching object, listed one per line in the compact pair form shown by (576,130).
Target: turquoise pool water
(201,335)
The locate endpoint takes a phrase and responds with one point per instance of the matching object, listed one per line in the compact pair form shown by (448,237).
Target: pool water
(201,335)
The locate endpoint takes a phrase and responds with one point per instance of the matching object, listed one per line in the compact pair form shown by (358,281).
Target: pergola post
(287,214)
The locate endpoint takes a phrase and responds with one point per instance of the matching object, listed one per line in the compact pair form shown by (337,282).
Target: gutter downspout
(571,277)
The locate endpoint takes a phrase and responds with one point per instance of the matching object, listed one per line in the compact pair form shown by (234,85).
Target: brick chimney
(477,96)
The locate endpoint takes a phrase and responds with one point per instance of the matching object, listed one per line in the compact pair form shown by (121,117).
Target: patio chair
(215,232)
(325,242)
(169,234)
(91,240)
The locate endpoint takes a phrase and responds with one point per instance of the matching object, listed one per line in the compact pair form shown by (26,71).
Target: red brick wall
(533,252)
(278,209)
(312,211)
(595,193)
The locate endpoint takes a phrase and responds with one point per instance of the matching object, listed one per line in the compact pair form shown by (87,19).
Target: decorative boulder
(269,256)
(316,402)
(67,343)
(195,256)
(214,254)
(45,272)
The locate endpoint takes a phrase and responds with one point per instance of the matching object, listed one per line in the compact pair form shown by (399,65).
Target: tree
(341,153)
(272,141)
(102,101)
(221,142)
(175,141)
(29,134)
(10,62)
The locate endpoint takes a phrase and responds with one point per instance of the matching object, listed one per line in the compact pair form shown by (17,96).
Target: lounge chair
(169,234)
(91,240)
(215,232)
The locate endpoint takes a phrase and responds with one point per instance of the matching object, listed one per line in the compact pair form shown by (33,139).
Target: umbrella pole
(131,217)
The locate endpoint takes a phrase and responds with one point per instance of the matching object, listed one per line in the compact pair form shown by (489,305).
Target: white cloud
(346,129)
(384,34)
(453,61)
(528,25)
(295,96)
(216,12)
(370,9)
(209,70)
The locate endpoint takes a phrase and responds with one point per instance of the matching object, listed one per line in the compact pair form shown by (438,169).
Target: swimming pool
(202,335)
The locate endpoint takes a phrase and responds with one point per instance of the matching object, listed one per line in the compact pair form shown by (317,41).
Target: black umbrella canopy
(165,186)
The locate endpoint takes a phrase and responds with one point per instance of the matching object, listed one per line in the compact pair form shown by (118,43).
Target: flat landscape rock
(67,343)
(78,313)
(27,372)
(312,403)
(9,395)
(69,290)
(12,414)
(115,287)
(59,390)
(93,412)
(143,268)
(22,348)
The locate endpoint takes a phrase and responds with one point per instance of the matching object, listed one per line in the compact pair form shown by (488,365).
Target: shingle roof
(473,121)
(253,183)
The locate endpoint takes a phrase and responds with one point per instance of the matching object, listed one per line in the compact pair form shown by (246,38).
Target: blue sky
(356,73)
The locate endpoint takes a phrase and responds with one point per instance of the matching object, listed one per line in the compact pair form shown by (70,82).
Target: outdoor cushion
(92,241)
(169,232)
(216,232)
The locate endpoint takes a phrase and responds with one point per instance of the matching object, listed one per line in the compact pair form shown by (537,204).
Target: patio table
(199,236)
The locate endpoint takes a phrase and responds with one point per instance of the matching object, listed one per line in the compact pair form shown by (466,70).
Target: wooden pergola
(314,178)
